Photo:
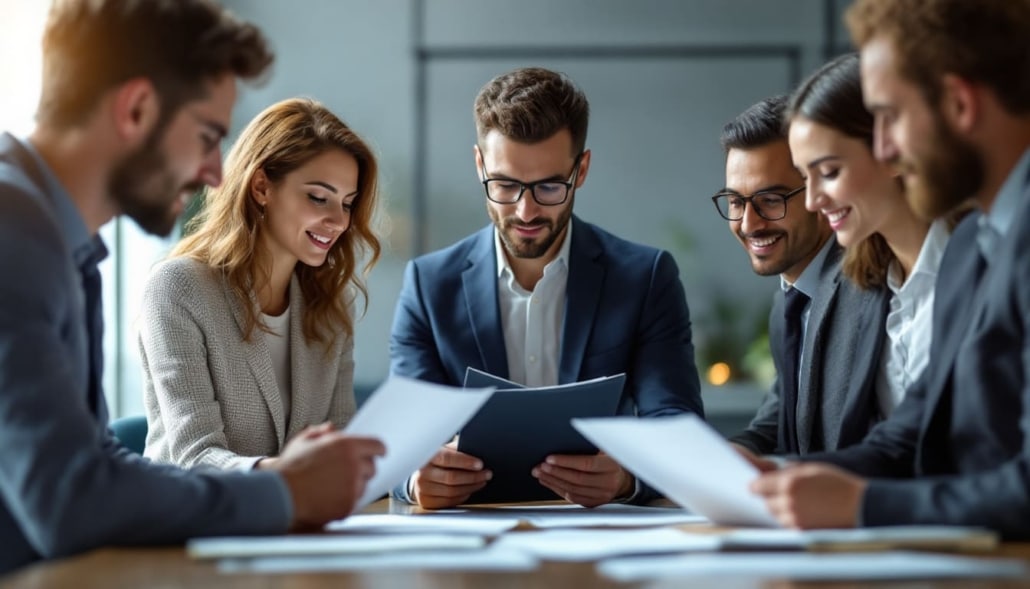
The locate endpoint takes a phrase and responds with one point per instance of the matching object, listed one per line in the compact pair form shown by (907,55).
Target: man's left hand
(811,495)
(587,480)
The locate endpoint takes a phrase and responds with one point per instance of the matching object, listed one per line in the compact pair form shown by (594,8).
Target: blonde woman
(247,329)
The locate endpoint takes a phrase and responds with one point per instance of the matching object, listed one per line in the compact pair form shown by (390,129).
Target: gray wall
(663,76)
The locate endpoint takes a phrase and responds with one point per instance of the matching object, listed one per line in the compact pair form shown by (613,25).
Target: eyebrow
(325,185)
(214,126)
(774,187)
(551,178)
(820,160)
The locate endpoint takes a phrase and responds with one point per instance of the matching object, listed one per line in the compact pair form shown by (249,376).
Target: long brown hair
(225,235)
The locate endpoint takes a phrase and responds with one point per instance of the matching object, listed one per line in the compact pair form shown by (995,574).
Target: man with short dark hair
(542,298)
(824,395)
(136,98)
(946,81)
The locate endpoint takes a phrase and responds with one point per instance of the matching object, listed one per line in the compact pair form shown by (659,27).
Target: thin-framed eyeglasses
(770,205)
(546,193)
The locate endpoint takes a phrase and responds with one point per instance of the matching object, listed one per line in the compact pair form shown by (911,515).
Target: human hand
(590,480)
(450,478)
(326,473)
(812,495)
(762,464)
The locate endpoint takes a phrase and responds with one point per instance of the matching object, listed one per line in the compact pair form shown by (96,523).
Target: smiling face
(787,245)
(940,170)
(154,184)
(858,195)
(309,209)
(527,229)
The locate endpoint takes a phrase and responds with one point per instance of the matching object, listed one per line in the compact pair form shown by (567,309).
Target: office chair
(131,431)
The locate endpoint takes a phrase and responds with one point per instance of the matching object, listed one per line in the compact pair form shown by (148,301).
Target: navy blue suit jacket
(957,450)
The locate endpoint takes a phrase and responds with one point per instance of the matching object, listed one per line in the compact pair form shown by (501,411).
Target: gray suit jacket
(212,398)
(957,449)
(836,390)
(65,484)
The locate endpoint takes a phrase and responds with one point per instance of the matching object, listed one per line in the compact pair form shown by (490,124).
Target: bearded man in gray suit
(946,81)
(136,98)
(824,394)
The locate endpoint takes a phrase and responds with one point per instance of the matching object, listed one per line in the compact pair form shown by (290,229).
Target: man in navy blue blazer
(946,81)
(541,297)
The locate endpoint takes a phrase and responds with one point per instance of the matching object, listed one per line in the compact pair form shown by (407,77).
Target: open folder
(520,426)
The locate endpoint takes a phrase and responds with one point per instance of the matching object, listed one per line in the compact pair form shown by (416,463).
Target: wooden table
(170,568)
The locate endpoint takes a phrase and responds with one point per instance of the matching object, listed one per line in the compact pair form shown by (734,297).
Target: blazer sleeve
(664,377)
(413,350)
(342,406)
(65,485)
(173,347)
(761,435)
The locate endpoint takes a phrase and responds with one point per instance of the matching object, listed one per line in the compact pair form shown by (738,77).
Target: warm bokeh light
(21,30)
(719,373)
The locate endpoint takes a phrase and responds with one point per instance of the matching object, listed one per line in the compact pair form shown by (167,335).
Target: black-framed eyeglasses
(546,193)
(770,205)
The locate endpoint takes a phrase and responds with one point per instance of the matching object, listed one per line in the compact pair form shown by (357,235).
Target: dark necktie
(93,288)
(794,304)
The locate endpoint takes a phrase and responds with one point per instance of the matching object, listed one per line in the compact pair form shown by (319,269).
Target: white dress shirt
(532,320)
(906,352)
(278,343)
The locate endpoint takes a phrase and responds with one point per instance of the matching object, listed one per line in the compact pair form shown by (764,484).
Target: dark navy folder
(519,427)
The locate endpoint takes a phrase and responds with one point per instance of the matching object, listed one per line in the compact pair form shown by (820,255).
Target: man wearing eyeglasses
(825,333)
(541,297)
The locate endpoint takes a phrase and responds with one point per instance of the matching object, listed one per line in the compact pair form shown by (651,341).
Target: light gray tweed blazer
(211,398)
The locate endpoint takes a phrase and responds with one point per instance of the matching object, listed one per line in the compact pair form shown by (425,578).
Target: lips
(836,217)
(320,241)
(762,244)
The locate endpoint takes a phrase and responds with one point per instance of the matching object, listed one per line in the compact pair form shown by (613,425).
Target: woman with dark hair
(886,243)
(247,330)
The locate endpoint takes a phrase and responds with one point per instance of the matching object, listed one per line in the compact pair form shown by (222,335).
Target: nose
(527,209)
(211,168)
(338,220)
(751,221)
(814,197)
(884,148)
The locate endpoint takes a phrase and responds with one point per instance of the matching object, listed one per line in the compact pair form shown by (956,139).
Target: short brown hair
(225,234)
(987,41)
(91,46)
(529,105)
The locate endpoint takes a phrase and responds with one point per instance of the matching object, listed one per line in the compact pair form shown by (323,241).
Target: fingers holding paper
(590,480)
(449,479)
(812,495)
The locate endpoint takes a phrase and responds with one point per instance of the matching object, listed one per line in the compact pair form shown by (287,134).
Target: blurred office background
(662,76)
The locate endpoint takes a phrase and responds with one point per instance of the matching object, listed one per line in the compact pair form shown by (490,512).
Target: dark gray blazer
(957,450)
(836,390)
(65,484)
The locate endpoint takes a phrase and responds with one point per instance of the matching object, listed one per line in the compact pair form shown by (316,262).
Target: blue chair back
(131,431)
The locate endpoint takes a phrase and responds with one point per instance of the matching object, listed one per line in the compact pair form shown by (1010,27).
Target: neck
(1000,156)
(273,296)
(80,161)
(794,272)
(905,234)
(529,271)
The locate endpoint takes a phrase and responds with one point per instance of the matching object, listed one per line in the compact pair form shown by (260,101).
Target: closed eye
(317,199)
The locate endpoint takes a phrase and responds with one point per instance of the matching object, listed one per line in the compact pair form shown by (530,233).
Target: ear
(584,168)
(136,109)
(479,162)
(960,103)
(259,187)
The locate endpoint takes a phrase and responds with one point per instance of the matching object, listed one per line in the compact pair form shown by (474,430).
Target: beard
(530,248)
(146,191)
(945,176)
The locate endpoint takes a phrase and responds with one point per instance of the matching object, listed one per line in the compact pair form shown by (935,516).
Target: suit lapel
(307,377)
(260,362)
(479,281)
(585,279)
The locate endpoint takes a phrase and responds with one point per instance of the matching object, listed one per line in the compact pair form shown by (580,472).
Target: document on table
(584,545)
(611,515)
(488,559)
(687,461)
(413,419)
(881,538)
(807,566)
(423,523)
(252,546)
(519,427)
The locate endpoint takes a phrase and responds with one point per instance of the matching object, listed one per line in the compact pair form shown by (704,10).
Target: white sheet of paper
(584,545)
(413,419)
(896,537)
(611,515)
(424,523)
(863,566)
(251,546)
(488,559)
(685,459)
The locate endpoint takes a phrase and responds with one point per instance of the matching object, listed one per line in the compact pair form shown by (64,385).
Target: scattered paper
(612,515)
(808,566)
(879,538)
(250,546)
(685,459)
(489,559)
(585,545)
(424,523)
(413,419)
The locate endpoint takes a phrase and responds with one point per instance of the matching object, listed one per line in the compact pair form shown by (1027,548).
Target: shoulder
(621,253)
(183,278)
(451,259)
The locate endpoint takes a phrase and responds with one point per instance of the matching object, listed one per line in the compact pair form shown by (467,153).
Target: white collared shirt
(532,321)
(278,344)
(909,323)
(808,284)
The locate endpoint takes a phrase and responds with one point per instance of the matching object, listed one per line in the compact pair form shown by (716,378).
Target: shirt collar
(1009,197)
(928,261)
(808,282)
(85,249)
(562,258)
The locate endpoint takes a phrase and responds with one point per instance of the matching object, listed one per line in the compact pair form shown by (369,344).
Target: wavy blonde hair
(226,233)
